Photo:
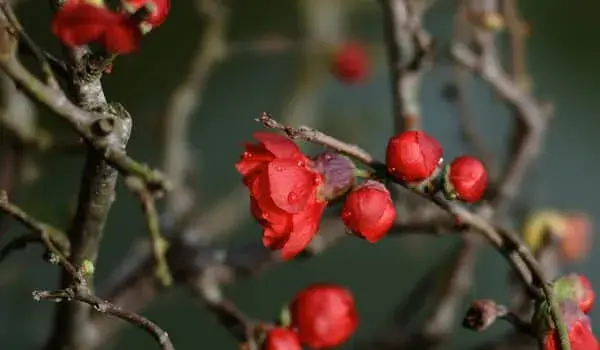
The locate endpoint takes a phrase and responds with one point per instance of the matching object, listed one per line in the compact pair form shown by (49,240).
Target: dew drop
(292,197)
(301,163)
(328,156)
(278,168)
(247,155)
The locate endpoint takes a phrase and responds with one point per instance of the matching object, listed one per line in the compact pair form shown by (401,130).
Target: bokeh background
(294,84)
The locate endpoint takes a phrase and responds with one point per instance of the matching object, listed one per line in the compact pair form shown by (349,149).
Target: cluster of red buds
(289,191)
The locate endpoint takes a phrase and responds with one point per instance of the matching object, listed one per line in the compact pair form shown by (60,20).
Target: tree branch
(79,289)
(409,51)
(504,240)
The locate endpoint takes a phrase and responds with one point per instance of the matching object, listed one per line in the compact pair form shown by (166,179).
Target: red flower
(281,339)
(413,156)
(324,315)
(122,38)
(350,63)
(576,288)
(587,295)
(575,238)
(465,179)
(159,10)
(369,211)
(78,23)
(284,192)
(580,334)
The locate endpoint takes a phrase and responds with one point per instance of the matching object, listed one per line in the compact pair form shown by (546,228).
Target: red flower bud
(324,315)
(576,288)
(465,179)
(338,173)
(413,156)
(284,192)
(281,339)
(78,23)
(369,211)
(159,9)
(350,63)
(579,331)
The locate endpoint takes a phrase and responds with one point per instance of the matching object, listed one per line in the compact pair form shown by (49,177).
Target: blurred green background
(563,59)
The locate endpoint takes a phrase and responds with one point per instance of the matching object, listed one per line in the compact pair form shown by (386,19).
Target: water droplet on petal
(279,168)
(301,163)
(247,155)
(292,197)
(328,156)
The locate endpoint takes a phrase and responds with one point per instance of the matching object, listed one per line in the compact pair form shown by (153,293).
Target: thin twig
(534,115)
(105,307)
(45,231)
(36,50)
(409,50)
(159,243)
(80,291)
(184,101)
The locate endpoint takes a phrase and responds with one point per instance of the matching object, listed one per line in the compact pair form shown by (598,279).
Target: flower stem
(557,319)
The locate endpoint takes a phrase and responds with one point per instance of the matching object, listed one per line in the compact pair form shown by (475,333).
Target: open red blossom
(579,330)
(281,339)
(159,9)
(413,156)
(284,192)
(350,63)
(78,23)
(465,179)
(122,38)
(324,315)
(369,211)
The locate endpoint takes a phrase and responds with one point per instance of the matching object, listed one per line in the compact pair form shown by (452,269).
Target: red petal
(263,208)
(386,221)
(162,8)
(305,226)
(254,157)
(77,23)
(123,37)
(290,185)
(274,240)
(279,145)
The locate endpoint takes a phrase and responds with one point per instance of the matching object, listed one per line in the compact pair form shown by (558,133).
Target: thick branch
(82,121)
